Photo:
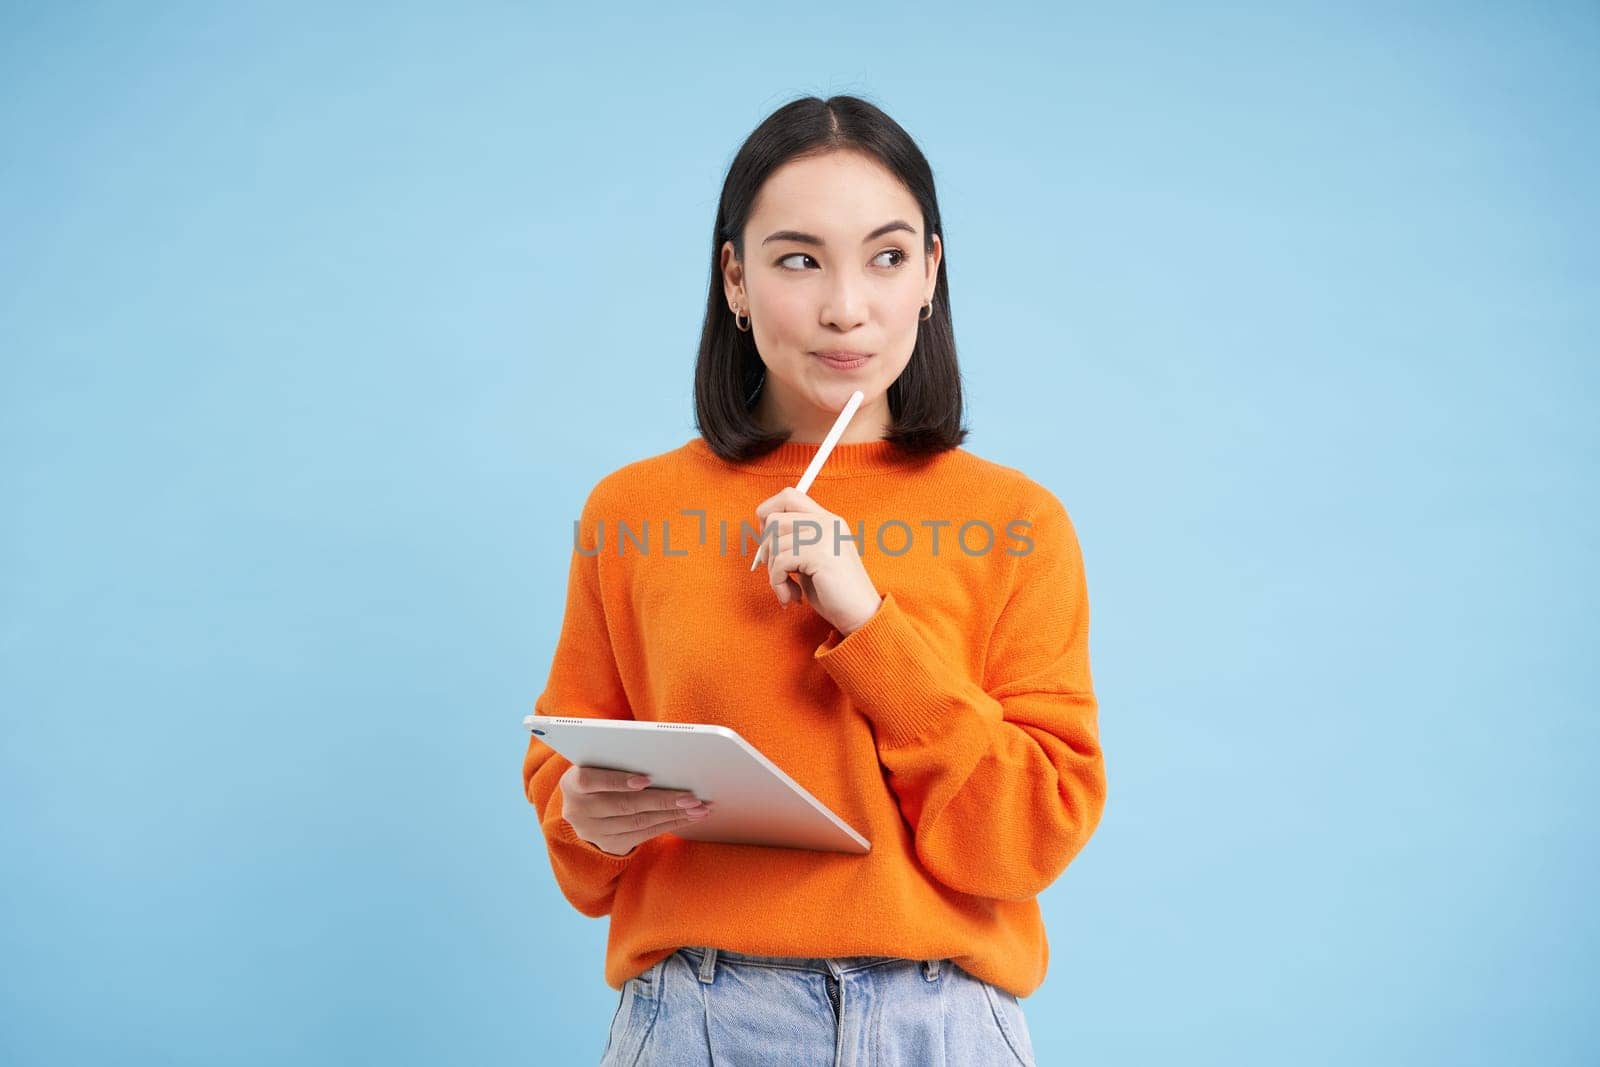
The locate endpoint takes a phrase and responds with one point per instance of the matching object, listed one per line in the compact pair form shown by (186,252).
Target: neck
(808,424)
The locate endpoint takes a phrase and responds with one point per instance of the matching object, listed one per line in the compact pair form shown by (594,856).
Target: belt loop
(932,969)
(708,965)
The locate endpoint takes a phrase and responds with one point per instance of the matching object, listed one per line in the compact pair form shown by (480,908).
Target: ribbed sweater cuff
(894,676)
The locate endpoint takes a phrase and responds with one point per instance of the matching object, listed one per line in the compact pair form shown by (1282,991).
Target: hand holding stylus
(823,450)
(836,584)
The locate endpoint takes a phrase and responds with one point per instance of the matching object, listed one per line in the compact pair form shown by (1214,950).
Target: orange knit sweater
(956,730)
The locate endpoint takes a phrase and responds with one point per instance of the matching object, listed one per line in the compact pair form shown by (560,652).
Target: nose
(844,303)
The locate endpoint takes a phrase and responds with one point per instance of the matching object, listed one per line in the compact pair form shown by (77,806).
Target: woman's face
(833,263)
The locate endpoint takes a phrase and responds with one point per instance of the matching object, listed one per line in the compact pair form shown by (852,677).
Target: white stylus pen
(821,457)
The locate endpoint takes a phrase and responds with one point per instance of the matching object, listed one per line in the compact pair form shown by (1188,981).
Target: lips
(843,359)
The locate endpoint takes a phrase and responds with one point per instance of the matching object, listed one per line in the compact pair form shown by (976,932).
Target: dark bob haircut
(925,404)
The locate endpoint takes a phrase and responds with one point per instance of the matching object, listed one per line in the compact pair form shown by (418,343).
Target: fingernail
(638,781)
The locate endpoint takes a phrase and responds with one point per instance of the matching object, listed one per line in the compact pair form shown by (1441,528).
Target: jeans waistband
(706,958)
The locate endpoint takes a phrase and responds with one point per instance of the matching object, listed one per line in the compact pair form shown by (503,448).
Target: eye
(899,262)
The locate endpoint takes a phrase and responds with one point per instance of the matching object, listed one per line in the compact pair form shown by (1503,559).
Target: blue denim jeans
(711,1006)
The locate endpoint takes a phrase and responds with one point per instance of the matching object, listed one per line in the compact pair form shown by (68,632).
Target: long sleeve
(1003,782)
(584,682)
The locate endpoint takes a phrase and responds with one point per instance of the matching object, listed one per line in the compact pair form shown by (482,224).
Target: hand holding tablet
(753,801)
(614,811)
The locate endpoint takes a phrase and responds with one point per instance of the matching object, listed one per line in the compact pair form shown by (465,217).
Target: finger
(792,499)
(789,499)
(778,568)
(783,590)
(607,804)
(763,550)
(587,779)
(668,823)
(784,522)
(775,501)
(797,533)
(673,810)
(769,504)
(630,830)
(656,800)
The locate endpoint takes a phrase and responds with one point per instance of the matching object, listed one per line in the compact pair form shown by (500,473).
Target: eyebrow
(809,239)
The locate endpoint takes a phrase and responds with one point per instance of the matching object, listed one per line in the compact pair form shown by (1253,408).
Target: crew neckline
(790,459)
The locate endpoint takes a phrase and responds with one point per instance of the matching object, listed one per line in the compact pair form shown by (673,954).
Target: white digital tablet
(757,803)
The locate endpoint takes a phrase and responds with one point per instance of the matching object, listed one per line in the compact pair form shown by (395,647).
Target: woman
(921,668)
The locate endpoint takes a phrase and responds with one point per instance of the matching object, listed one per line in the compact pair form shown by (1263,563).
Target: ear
(932,278)
(732,278)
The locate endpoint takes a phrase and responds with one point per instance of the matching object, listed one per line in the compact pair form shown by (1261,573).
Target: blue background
(317,325)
